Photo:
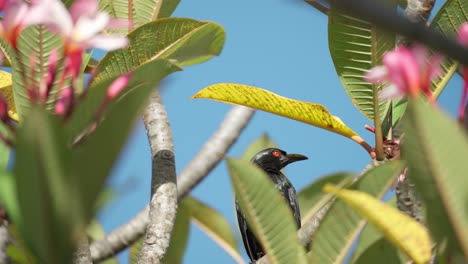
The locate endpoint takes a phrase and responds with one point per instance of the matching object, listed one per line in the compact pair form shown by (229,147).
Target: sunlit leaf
(7,93)
(215,226)
(356,46)
(267,214)
(436,149)
(341,225)
(309,113)
(372,247)
(403,231)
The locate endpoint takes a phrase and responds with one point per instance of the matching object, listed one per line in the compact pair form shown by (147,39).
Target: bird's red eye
(276,153)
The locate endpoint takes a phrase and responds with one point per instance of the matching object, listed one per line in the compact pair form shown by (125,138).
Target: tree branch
(163,204)
(205,160)
(163,208)
(82,254)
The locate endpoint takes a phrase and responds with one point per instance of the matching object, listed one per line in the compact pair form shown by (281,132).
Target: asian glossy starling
(271,160)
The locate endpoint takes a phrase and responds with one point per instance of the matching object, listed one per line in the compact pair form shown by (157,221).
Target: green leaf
(148,10)
(134,251)
(34,41)
(372,246)
(309,113)
(267,214)
(9,195)
(175,251)
(18,250)
(46,187)
(399,228)
(342,225)
(84,116)
(95,156)
(356,46)
(258,145)
(182,41)
(436,149)
(312,194)
(215,226)
(143,11)
(447,21)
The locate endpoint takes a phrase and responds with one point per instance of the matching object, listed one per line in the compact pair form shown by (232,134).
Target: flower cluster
(80,28)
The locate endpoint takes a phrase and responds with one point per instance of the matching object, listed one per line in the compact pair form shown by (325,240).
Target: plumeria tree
(65,117)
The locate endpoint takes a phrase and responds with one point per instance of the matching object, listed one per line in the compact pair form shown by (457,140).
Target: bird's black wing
(251,244)
(292,200)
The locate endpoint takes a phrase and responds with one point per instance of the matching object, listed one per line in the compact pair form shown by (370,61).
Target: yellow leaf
(7,93)
(403,231)
(309,113)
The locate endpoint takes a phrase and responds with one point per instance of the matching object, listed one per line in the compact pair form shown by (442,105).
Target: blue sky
(278,45)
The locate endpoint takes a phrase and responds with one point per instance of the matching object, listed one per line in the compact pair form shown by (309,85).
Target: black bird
(271,160)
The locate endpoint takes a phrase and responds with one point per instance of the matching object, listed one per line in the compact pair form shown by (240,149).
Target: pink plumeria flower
(80,27)
(118,85)
(15,20)
(408,71)
(462,38)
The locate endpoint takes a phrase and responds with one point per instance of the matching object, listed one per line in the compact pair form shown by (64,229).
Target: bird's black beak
(290,158)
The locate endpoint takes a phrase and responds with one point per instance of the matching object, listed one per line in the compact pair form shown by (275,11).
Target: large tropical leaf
(447,21)
(309,113)
(215,226)
(142,11)
(402,230)
(94,157)
(84,115)
(340,227)
(372,247)
(436,149)
(182,41)
(356,46)
(267,214)
(46,188)
(38,42)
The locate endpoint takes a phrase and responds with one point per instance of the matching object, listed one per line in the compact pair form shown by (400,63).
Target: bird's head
(276,159)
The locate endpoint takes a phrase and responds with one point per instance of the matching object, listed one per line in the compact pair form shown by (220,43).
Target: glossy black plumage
(271,160)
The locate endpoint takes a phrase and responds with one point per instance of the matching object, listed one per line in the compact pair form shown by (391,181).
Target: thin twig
(163,204)
(206,159)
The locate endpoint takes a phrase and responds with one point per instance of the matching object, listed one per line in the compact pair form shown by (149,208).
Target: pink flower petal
(86,8)
(403,70)
(86,28)
(392,91)
(462,36)
(378,74)
(107,42)
(61,106)
(51,13)
(118,85)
